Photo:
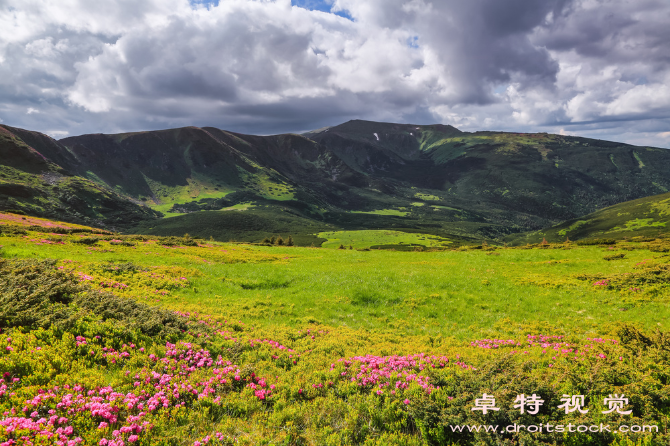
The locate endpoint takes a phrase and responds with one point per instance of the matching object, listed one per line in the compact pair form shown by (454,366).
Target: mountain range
(434,179)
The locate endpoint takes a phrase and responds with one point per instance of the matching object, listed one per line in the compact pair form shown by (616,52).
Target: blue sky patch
(312,5)
(413,42)
(500,89)
(207,3)
(320,5)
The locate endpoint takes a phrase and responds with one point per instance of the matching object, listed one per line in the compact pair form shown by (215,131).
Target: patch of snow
(376,136)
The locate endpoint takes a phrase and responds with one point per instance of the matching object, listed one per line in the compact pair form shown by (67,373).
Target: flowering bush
(80,365)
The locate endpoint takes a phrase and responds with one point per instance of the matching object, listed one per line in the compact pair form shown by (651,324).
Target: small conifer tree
(289,242)
(280,241)
(341,247)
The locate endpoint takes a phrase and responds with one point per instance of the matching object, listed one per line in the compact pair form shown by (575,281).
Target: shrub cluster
(648,277)
(12,230)
(177,241)
(121,243)
(596,241)
(59,230)
(86,240)
(34,293)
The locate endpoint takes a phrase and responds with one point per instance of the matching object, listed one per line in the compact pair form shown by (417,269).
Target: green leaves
(34,293)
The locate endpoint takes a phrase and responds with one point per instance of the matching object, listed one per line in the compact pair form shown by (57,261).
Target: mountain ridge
(357,175)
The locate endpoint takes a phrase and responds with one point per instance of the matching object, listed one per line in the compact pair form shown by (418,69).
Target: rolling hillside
(360,175)
(523,180)
(32,183)
(644,217)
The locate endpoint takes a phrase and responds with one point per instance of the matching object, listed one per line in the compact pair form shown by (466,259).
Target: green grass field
(461,294)
(395,212)
(368,238)
(287,313)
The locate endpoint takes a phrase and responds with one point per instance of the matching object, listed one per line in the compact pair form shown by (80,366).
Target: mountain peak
(361,126)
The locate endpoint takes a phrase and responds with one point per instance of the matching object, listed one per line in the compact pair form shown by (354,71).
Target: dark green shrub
(642,239)
(648,276)
(59,230)
(15,211)
(119,268)
(86,240)
(597,241)
(10,230)
(177,241)
(659,248)
(34,293)
(121,243)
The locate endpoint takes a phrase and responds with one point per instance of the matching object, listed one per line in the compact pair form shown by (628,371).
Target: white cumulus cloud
(267,66)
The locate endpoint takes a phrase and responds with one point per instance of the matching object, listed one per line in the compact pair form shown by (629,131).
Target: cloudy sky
(596,68)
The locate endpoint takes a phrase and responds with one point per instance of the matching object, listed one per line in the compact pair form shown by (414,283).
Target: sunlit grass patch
(436,207)
(239,207)
(7,218)
(427,197)
(395,212)
(368,238)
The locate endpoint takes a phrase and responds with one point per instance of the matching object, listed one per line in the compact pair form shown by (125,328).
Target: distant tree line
(278,240)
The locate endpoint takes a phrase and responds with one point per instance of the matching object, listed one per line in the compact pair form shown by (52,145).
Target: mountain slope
(644,217)
(31,182)
(525,180)
(358,175)
(177,166)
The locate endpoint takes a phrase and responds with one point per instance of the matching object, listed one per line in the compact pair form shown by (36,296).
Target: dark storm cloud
(614,31)
(622,57)
(492,44)
(479,43)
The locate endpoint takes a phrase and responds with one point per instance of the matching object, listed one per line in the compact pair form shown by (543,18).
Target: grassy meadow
(372,238)
(127,339)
